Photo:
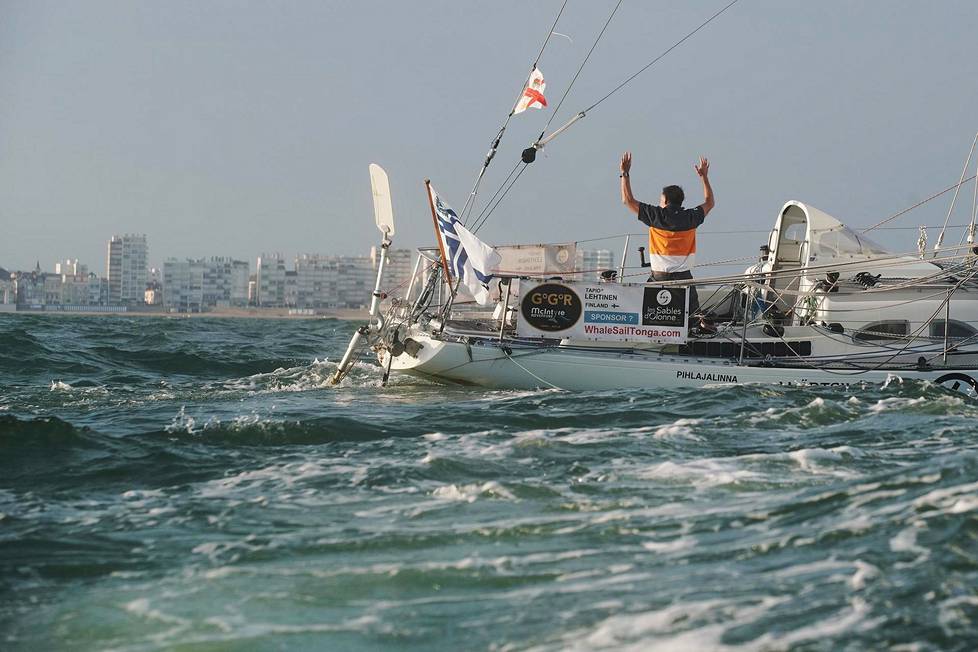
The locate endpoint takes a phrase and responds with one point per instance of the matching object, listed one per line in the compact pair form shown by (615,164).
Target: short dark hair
(674,195)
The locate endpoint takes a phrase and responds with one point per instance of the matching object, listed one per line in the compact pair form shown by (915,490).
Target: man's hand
(703,170)
(626,185)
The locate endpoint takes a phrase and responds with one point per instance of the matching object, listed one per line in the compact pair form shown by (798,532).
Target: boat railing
(747,301)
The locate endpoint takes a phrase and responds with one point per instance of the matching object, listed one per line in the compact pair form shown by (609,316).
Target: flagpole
(434,221)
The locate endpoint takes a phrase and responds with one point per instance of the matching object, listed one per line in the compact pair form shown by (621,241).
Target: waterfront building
(75,289)
(195,285)
(355,281)
(315,281)
(126,269)
(592,262)
(397,272)
(50,285)
(253,290)
(28,288)
(7,295)
(70,267)
(270,281)
(291,299)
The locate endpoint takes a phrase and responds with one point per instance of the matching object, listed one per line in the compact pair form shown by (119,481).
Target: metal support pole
(743,336)
(364,331)
(375,297)
(502,321)
(348,356)
(448,306)
(624,255)
(414,277)
(947,321)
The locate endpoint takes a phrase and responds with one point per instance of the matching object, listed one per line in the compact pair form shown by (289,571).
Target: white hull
(488,364)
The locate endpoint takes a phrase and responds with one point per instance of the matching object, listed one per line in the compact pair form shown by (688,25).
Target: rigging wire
(919,204)
(490,207)
(479,221)
(553,114)
(502,197)
(658,58)
(530,153)
(470,201)
(964,171)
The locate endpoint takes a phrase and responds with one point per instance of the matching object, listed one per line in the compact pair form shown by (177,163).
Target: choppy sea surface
(196,484)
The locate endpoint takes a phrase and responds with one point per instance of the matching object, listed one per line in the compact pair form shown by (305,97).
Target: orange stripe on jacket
(672,243)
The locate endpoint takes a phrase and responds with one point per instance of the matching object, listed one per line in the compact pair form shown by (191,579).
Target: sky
(222,128)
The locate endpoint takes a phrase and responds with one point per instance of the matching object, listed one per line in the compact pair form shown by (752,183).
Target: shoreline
(346,314)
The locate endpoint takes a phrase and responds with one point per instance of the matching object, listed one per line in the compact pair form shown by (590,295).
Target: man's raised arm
(703,170)
(627,198)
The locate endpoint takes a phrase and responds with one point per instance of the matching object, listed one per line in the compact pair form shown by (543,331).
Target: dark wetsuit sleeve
(649,215)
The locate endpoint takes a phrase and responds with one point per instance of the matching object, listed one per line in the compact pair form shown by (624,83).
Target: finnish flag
(469,259)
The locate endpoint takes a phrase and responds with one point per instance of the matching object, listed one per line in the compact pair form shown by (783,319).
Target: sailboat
(824,305)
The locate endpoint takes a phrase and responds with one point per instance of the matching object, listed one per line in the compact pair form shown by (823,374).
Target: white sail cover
(469,259)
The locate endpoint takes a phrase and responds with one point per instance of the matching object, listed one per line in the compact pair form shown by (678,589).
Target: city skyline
(315,282)
(252,126)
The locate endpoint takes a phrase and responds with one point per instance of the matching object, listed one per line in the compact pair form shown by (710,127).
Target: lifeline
(719,378)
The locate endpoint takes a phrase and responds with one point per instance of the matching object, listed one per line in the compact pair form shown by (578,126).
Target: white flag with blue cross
(469,259)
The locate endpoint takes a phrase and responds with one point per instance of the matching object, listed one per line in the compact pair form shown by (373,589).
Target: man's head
(672,196)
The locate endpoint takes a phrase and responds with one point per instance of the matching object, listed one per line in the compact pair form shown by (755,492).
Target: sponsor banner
(536,259)
(603,312)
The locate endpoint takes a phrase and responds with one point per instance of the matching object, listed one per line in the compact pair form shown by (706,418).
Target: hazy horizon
(232,129)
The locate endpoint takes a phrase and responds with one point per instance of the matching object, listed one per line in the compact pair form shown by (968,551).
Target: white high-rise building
(195,285)
(398,270)
(592,262)
(70,267)
(126,269)
(315,281)
(270,281)
(355,281)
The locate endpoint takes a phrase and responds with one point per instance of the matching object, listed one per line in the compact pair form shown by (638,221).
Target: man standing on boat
(672,228)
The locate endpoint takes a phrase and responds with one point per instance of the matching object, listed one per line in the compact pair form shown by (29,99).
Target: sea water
(197,484)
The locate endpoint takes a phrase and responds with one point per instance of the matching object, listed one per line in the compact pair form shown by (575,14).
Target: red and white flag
(532,97)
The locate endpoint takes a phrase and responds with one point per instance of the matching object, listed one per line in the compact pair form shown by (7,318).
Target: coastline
(350,314)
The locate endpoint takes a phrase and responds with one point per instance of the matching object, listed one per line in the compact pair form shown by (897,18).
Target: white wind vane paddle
(384,218)
(383,211)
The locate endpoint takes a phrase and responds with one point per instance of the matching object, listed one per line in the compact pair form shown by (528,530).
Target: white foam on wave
(851,620)
(678,627)
(895,403)
(949,500)
(665,547)
(143,608)
(469,493)
(245,484)
(679,429)
(800,414)
(314,375)
(957,614)
(892,379)
(906,541)
(505,395)
(182,422)
(143,494)
(865,573)
(701,473)
(813,460)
